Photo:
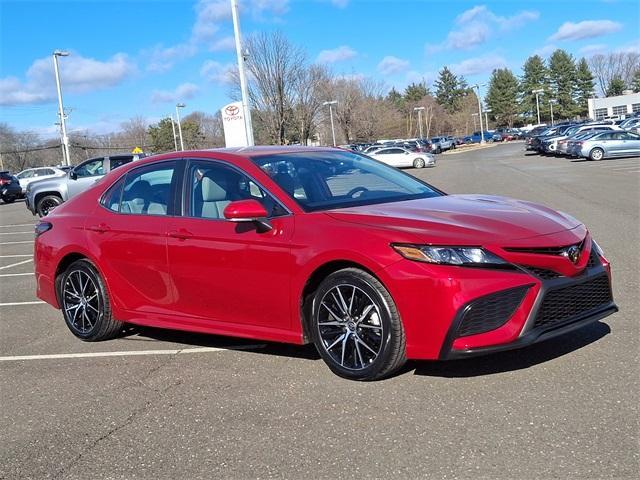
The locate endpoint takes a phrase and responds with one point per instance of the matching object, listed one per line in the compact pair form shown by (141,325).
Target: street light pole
(180,105)
(248,125)
(419,110)
(175,140)
(486,119)
(66,158)
(551,106)
(537,92)
(477,87)
(333,131)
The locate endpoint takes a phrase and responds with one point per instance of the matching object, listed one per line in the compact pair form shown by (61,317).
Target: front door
(225,271)
(84,176)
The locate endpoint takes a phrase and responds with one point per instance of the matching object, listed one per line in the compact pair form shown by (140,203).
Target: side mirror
(248,211)
(73,175)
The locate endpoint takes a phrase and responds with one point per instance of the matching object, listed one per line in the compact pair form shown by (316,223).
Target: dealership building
(619,106)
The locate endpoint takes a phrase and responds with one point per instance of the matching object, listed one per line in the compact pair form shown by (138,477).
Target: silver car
(25,177)
(610,144)
(43,196)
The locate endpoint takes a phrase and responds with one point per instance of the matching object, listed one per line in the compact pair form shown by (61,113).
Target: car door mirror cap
(248,211)
(73,175)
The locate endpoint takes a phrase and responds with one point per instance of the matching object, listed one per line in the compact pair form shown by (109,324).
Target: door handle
(181,234)
(100,228)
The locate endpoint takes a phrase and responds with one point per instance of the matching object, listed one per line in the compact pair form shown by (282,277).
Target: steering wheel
(355,190)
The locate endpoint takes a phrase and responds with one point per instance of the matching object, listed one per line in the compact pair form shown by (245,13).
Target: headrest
(140,189)
(212,191)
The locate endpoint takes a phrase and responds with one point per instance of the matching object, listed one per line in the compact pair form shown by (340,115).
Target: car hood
(462,219)
(46,183)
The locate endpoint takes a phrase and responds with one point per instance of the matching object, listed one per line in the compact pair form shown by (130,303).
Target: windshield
(327,180)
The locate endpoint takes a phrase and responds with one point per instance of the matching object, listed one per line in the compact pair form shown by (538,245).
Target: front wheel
(356,327)
(47,204)
(85,303)
(596,154)
(418,163)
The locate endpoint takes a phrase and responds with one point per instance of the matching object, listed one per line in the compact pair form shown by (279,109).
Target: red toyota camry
(317,245)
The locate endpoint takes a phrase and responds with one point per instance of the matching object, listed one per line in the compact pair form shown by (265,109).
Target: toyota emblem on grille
(572,253)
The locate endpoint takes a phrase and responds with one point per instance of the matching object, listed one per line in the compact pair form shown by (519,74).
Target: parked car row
(594,141)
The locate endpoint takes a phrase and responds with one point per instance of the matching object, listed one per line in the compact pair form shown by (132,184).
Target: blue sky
(140,57)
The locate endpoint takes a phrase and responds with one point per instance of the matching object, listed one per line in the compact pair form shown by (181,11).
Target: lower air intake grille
(543,273)
(490,312)
(564,304)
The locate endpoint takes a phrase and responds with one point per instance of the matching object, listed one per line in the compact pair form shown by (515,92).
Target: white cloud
(594,49)
(586,29)
(183,91)
(484,64)
(390,65)
(224,44)
(217,72)
(546,50)
(339,54)
(162,59)
(78,75)
(476,25)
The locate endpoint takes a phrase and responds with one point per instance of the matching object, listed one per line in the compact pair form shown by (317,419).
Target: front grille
(543,273)
(543,250)
(564,304)
(491,311)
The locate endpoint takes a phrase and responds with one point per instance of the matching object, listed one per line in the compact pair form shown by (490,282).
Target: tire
(81,289)
(46,204)
(367,348)
(9,199)
(419,163)
(596,154)
(438,150)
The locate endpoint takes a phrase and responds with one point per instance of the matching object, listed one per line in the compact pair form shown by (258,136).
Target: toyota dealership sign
(235,133)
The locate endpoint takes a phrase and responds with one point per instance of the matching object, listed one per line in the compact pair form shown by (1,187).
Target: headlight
(448,255)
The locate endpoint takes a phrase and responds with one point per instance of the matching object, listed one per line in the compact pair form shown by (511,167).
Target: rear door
(129,228)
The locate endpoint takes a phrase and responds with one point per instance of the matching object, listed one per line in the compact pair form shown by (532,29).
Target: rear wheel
(47,204)
(85,303)
(418,163)
(8,199)
(356,327)
(596,154)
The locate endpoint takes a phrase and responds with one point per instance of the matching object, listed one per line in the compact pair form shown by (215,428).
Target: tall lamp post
(180,105)
(486,119)
(538,92)
(477,87)
(419,110)
(173,127)
(333,131)
(63,127)
(551,107)
(242,57)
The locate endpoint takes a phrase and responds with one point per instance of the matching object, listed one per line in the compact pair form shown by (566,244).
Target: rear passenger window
(147,190)
(111,199)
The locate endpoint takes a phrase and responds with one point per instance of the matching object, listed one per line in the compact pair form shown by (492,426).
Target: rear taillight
(4,181)
(42,227)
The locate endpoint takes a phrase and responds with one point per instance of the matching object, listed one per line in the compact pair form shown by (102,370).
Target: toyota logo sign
(232,110)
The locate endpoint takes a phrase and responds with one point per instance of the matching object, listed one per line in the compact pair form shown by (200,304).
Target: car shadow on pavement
(514,359)
(149,334)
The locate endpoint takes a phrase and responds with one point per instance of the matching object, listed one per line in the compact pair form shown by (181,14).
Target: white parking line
(16,264)
(16,256)
(16,274)
(15,243)
(182,351)
(18,225)
(13,304)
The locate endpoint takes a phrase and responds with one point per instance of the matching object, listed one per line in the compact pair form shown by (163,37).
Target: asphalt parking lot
(156,404)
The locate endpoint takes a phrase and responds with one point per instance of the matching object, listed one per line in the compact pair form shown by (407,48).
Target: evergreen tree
(562,76)
(448,92)
(635,83)
(502,96)
(162,135)
(584,87)
(535,76)
(616,87)
(395,97)
(416,92)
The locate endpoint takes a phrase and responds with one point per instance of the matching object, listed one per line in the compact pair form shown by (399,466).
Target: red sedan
(317,245)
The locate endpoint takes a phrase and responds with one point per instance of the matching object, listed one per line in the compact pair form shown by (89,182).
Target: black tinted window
(119,161)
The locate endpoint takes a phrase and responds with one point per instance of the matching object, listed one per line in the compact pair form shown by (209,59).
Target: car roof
(261,150)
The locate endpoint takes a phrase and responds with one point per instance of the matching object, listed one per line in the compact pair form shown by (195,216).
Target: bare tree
(620,65)
(134,131)
(274,65)
(310,92)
